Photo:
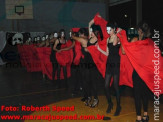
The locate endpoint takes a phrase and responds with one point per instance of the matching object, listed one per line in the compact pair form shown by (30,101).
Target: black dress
(87,61)
(89,74)
(53,52)
(113,61)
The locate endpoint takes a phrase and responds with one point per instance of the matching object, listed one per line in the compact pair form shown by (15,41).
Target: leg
(58,76)
(65,76)
(87,85)
(55,65)
(145,100)
(108,92)
(137,93)
(94,87)
(107,87)
(116,86)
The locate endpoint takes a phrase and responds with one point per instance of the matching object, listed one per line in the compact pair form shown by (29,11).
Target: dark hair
(113,25)
(59,33)
(83,31)
(97,30)
(145,28)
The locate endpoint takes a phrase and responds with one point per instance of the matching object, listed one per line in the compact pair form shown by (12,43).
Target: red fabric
(29,58)
(75,29)
(34,59)
(46,65)
(126,70)
(65,57)
(141,55)
(99,58)
(78,52)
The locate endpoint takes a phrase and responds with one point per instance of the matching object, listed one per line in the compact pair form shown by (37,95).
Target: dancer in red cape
(141,55)
(107,59)
(64,58)
(146,60)
(89,81)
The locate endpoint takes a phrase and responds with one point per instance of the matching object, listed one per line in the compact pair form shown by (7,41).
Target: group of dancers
(101,47)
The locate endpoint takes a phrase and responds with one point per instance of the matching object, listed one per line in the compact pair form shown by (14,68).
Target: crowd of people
(103,48)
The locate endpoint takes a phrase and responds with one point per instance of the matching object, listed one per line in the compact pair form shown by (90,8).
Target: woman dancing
(113,60)
(89,82)
(140,88)
(56,67)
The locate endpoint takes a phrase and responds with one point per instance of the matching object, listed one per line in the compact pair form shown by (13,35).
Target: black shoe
(118,110)
(110,106)
(95,103)
(88,101)
(146,118)
(106,118)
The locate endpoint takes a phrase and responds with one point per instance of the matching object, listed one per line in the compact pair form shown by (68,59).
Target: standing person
(57,46)
(113,60)
(140,88)
(52,55)
(144,72)
(90,82)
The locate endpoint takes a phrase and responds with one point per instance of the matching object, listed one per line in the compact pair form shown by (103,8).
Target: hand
(91,23)
(96,45)
(99,15)
(119,30)
(59,51)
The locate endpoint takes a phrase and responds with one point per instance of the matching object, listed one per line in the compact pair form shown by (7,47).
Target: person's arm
(103,52)
(42,44)
(79,39)
(68,48)
(89,27)
(47,43)
(122,49)
(98,20)
(55,45)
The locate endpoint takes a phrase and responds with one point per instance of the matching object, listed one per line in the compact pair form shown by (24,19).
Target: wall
(50,15)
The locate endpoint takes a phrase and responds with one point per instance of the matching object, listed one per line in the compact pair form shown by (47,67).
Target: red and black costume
(143,69)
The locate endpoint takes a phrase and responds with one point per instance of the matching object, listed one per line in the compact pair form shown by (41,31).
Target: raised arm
(123,39)
(103,52)
(89,27)
(98,20)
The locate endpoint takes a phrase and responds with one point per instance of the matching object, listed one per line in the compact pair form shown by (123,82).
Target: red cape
(99,58)
(29,58)
(77,49)
(142,57)
(65,57)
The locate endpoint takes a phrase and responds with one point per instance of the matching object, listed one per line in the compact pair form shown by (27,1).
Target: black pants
(57,67)
(77,82)
(90,82)
(140,92)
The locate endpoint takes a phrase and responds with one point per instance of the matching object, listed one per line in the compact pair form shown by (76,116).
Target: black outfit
(89,74)
(56,66)
(112,70)
(140,92)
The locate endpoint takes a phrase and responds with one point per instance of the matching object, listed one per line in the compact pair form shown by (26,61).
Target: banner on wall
(8,42)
